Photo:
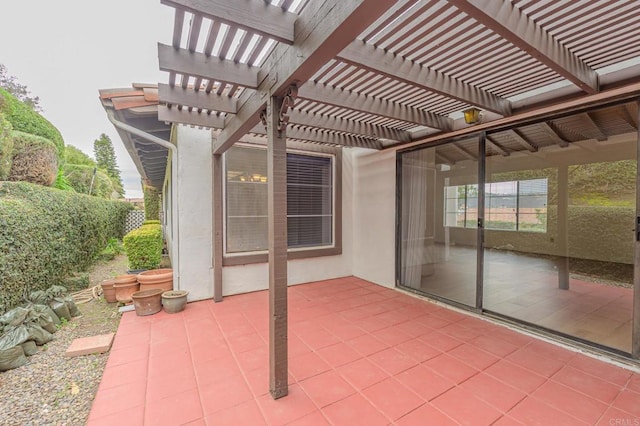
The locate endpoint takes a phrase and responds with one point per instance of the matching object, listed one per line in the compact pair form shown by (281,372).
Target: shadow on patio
(359,354)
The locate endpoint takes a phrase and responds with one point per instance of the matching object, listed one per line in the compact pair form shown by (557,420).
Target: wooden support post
(563,227)
(277,210)
(635,328)
(217,227)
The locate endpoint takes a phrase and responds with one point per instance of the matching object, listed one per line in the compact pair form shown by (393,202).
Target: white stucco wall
(374,211)
(194,212)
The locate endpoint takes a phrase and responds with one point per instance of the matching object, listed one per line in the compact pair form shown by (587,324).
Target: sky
(64,51)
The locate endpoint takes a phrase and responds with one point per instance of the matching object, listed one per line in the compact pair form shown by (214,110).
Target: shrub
(79,178)
(151,203)
(24,119)
(34,159)
(6,147)
(144,247)
(47,234)
(113,249)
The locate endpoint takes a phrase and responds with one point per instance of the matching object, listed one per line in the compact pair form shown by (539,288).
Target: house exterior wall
(194,212)
(374,176)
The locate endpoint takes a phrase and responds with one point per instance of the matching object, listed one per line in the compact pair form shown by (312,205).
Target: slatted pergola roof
(379,73)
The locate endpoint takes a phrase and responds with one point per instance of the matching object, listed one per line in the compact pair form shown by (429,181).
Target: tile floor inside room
(359,354)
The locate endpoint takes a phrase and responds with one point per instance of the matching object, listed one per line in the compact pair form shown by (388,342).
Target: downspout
(174,187)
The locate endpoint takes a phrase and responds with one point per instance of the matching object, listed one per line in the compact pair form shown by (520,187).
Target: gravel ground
(52,389)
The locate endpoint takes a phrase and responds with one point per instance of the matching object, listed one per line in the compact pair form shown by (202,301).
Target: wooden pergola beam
(255,16)
(348,126)
(323,29)
(324,137)
(192,118)
(196,64)
(318,92)
(497,147)
(553,135)
(508,21)
(200,99)
(367,56)
(513,134)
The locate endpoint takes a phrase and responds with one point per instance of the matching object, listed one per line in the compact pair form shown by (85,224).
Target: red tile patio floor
(359,354)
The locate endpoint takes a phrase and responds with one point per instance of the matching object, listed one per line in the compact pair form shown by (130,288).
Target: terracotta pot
(156,278)
(124,291)
(174,301)
(125,279)
(109,291)
(147,302)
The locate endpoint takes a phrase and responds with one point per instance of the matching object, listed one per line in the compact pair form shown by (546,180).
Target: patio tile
(571,402)
(341,373)
(425,415)
(451,368)
(246,413)
(425,382)
(327,388)
(177,409)
(495,393)
(602,370)
(354,410)
(285,410)
(629,402)
(362,373)
(465,407)
(308,365)
(532,411)
(392,361)
(392,398)
(518,377)
(535,362)
(224,393)
(118,399)
(587,384)
(164,385)
(367,344)
(122,374)
(471,355)
(338,354)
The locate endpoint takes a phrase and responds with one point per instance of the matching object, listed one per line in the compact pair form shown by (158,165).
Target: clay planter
(174,301)
(147,302)
(109,291)
(125,286)
(156,278)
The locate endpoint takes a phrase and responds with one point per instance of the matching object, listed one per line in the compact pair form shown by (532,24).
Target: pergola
(378,74)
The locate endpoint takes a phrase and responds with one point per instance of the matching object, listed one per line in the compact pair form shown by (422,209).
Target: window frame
(517,212)
(262,256)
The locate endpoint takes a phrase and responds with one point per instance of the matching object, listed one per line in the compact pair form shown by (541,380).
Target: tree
(73,155)
(20,91)
(106,159)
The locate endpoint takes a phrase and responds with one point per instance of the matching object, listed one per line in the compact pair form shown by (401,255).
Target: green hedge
(47,234)
(79,177)
(34,159)
(151,203)
(144,247)
(24,119)
(6,147)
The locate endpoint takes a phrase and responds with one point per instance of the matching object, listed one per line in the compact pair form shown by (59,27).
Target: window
(513,205)
(310,209)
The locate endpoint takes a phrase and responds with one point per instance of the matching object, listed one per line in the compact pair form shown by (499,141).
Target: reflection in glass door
(558,237)
(438,221)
